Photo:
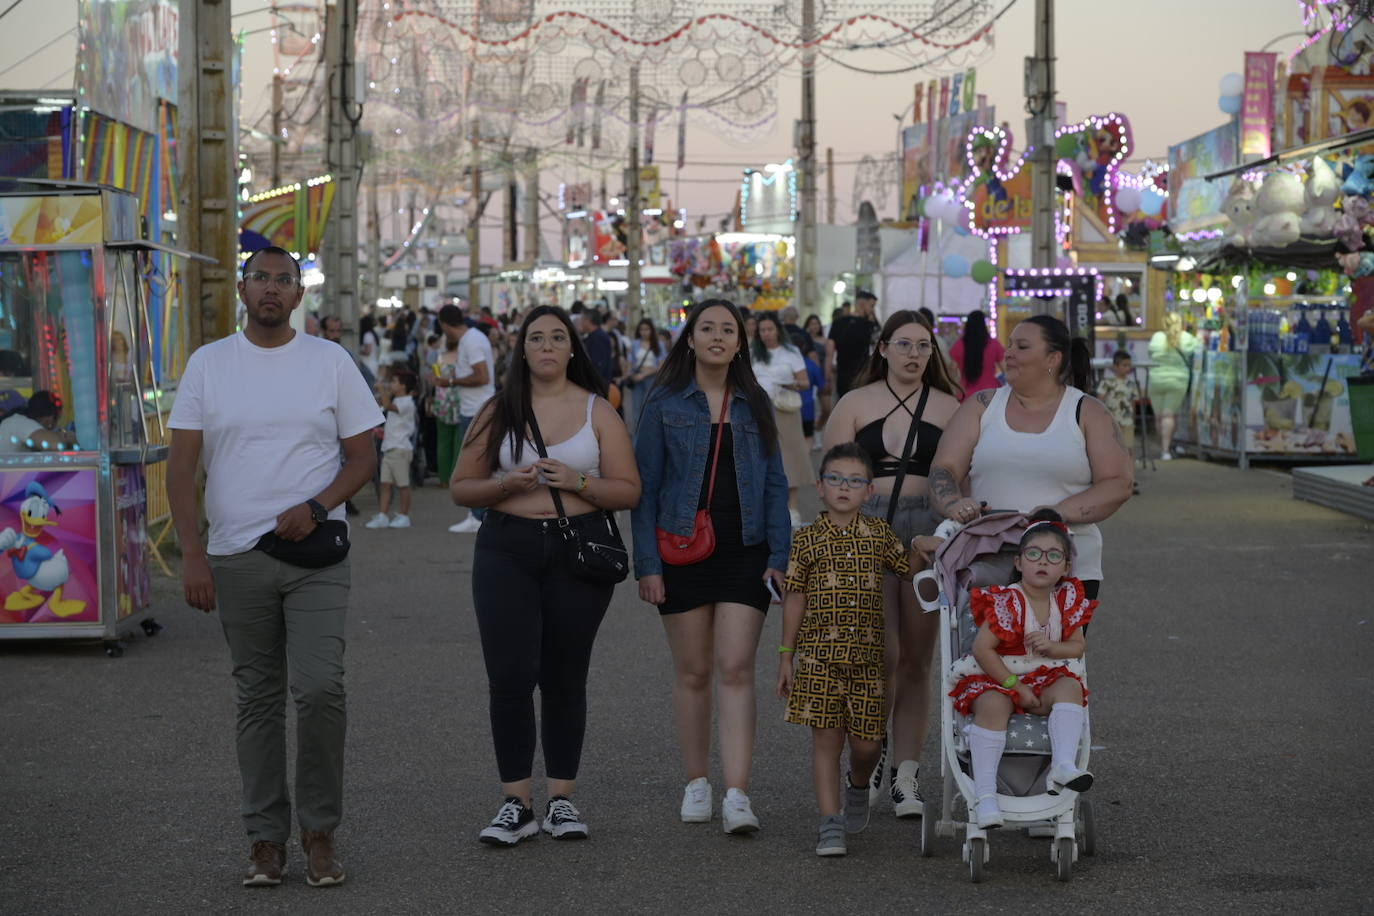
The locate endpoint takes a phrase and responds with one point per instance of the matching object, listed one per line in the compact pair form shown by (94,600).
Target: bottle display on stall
(1320,341)
(1285,335)
(1344,338)
(1302,335)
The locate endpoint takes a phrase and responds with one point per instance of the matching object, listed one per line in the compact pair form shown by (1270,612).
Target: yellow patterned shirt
(840,570)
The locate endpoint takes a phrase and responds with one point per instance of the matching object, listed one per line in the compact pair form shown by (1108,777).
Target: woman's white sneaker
(562,821)
(696,801)
(906,790)
(736,814)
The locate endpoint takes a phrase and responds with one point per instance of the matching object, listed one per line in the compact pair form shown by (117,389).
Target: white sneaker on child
(400,521)
(1071,778)
(468,525)
(988,814)
(378,521)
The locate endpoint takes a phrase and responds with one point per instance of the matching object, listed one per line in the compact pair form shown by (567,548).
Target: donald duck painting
(36,559)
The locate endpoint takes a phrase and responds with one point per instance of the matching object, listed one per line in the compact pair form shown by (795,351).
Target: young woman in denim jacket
(713,611)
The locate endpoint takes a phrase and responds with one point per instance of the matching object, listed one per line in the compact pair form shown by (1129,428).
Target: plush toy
(1278,203)
(1322,192)
(1357,263)
(1239,208)
(1360,177)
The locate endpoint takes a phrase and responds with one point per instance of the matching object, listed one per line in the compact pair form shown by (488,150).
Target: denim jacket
(672,447)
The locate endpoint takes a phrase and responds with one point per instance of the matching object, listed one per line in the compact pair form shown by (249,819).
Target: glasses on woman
(555,340)
(839,480)
(262,278)
(904,347)
(1036,554)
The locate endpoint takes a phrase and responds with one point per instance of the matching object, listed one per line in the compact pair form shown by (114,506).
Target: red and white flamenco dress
(1006,611)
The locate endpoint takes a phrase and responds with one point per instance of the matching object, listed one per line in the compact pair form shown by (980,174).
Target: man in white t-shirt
(474,375)
(272,414)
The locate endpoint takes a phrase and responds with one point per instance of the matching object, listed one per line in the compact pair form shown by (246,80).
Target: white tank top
(582,452)
(1014,470)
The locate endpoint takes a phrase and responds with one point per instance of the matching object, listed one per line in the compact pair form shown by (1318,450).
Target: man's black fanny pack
(325,546)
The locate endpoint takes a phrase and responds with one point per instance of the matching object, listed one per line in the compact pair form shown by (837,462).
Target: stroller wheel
(1087,828)
(1064,857)
(928,817)
(977,852)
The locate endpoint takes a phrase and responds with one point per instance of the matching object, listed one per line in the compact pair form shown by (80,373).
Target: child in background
(1120,394)
(816,378)
(833,627)
(1030,636)
(398,445)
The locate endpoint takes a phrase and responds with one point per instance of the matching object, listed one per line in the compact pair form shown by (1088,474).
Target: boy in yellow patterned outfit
(833,627)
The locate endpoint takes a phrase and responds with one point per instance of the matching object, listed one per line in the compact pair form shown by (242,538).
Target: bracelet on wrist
(581,482)
(501,482)
(782,649)
(1011,681)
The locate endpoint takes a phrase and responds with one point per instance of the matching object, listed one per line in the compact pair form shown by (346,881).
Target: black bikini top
(870,439)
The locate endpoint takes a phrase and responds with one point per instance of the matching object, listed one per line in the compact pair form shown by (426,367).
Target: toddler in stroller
(1012,645)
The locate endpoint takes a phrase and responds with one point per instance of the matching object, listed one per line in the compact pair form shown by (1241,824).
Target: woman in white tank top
(1037,441)
(536,617)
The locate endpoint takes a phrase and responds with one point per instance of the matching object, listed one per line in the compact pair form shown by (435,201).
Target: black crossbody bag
(594,554)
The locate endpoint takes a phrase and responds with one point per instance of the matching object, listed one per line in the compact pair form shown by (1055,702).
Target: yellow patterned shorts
(838,695)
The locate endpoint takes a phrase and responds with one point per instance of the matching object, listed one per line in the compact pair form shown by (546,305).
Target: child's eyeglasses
(1035,555)
(839,480)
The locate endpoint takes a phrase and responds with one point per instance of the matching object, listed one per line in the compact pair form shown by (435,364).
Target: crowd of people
(546,425)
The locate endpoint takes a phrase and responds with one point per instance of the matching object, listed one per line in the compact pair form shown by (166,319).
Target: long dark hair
(678,370)
(936,374)
(1075,361)
(511,410)
(758,350)
(655,343)
(975,345)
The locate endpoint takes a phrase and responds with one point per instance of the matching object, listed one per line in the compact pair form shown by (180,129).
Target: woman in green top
(1172,351)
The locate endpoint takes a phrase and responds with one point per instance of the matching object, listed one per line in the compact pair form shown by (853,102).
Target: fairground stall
(1271,260)
(74,497)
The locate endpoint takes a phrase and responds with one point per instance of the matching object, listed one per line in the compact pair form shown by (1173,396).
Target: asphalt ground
(1230,666)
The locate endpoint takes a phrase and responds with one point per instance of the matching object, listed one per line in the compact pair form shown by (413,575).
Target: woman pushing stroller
(1026,658)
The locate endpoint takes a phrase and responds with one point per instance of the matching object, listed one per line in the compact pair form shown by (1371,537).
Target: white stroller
(981,554)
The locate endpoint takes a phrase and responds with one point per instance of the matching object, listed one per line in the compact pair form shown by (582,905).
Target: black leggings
(538,623)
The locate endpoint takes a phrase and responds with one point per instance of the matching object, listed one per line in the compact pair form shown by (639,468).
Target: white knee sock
(1066,727)
(985,747)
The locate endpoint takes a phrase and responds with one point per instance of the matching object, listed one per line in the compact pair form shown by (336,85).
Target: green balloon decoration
(983,272)
(1066,146)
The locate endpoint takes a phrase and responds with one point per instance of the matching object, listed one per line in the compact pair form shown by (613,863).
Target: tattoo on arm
(984,397)
(942,485)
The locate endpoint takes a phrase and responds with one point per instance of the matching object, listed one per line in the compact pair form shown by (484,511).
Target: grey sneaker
(830,839)
(856,806)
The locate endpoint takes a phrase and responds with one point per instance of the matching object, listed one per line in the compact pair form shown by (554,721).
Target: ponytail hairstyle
(1046,521)
(678,370)
(936,374)
(1075,362)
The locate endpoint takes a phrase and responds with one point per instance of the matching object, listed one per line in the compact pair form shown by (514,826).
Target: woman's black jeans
(538,623)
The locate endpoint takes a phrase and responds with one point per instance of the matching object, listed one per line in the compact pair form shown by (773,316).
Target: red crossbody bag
(686,549)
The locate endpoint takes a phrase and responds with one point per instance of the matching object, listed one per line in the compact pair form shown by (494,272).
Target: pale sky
(1158,63)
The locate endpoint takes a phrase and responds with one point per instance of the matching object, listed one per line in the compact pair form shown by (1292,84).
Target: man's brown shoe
(266,864)
(322,866)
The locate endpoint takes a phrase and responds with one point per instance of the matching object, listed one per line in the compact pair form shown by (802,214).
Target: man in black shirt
(600,349)
(853,336)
